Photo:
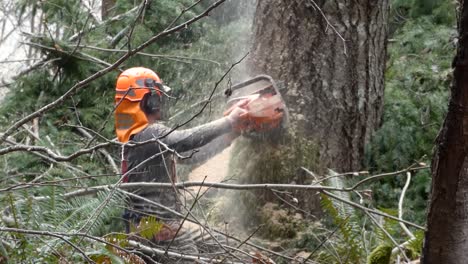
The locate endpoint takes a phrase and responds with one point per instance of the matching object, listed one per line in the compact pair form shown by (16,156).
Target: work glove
(238,116)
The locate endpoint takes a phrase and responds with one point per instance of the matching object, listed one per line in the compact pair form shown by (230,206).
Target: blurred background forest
(65,44)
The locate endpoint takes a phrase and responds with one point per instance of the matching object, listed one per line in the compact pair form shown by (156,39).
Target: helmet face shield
(154,86)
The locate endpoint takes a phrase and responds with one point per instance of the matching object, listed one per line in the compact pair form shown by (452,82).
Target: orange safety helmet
(132,87)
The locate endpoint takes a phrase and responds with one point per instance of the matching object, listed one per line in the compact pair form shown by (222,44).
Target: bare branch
(78,55)
(400,205)
(50,153)
(324,189)
(171,57)
(151,251)
(103,151)
(356,205)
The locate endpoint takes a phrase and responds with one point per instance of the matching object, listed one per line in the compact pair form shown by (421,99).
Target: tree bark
(447,224)
(106,7)
(334,88)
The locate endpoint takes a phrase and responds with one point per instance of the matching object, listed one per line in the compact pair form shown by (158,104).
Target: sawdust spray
(225,210)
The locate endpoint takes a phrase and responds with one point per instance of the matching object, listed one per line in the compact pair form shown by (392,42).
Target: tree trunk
(447,224)
(334,88)
(106,7)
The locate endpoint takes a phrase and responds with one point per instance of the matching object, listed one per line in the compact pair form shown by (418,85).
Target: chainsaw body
(265,106)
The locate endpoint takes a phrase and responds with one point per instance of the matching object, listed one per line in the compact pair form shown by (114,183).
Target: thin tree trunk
(447,224)
(106,7)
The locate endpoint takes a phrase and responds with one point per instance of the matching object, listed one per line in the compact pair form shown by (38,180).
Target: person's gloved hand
(237,116)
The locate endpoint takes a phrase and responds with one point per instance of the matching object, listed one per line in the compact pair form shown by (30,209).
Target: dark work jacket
(152,166)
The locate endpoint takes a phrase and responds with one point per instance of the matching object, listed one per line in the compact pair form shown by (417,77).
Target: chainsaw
(260,96)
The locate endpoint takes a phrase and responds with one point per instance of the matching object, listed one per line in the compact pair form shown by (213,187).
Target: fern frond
(380,255)
(149,227)
(349,230)
(415,245)
(344,209)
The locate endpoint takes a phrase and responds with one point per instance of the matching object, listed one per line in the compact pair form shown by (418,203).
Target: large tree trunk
(333,89)
(447,224)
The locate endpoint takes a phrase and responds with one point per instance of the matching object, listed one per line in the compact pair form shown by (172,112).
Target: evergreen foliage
(74,46)
(191,61)
(57,215)
(418,78)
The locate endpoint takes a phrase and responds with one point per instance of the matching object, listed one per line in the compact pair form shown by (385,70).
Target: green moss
(271,160)
(279,223)
(263,161)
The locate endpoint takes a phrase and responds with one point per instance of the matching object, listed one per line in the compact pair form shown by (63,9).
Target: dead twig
(103,151)
(197,197)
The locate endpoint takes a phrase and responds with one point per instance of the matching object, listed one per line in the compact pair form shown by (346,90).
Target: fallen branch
(63,236)
(218,185)
(51,160)
(15,147)
(356,205)
(183,185)
(413,167)
(155,251)
(50,153)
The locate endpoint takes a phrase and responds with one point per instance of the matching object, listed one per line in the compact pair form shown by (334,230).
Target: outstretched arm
(188,139)
(209,150)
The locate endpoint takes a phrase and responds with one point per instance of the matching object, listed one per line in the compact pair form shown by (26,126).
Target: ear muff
(152,103)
